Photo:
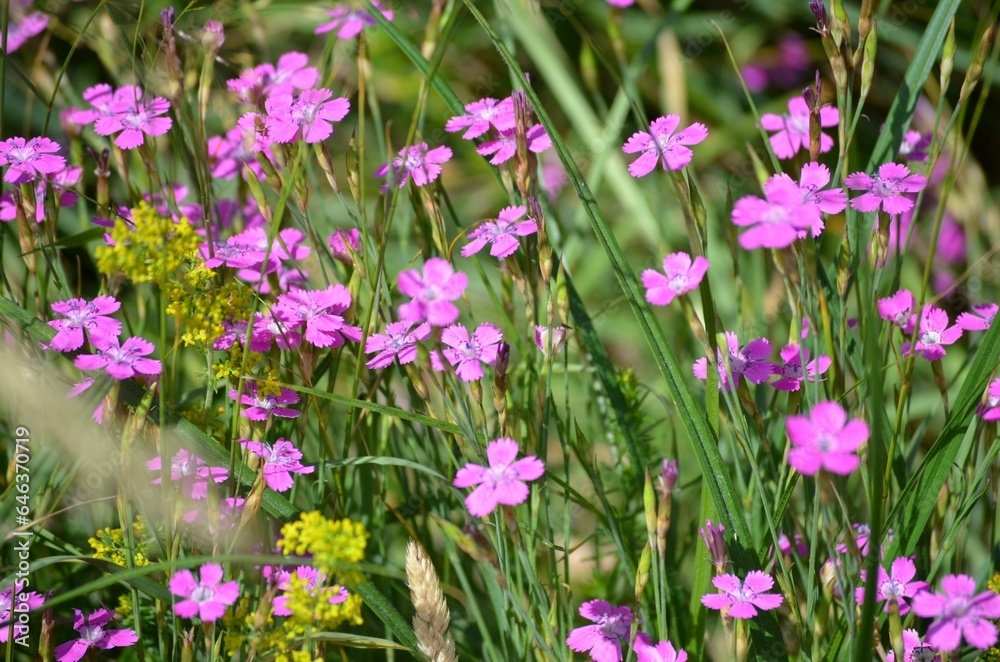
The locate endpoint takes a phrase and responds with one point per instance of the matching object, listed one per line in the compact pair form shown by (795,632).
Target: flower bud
(212,36)
(822,20)
(715,540)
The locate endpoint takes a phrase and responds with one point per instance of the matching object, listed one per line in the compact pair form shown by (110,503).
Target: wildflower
(206,597)
(254,138)
(602,639)
(432,292)
(501,234)
(28,160)
(825,439)
(787,546)
(291,73)
(792,374)
(749,361)
(233,254)
(743,598)
(481,115)
(399,341)
(662,652)
(934,334)
(662,145)
(343,243)
(792,129)
(22,28)
(288,246)
(503,482)
(715,540)
(281,460)
(621,3)
(781,218)
(862,537)
(134,118)
(504,146)
(959,612)
(273,328)
(558,338)
(812,180)
(261,406)
(227,154)
(669,474)
(120,361)
(682,276)
(979,319)
(885,190)
(417,161)
(307,116)
(914,650)
(898,310)
(10,597)
(82,315)
(314,580)
(319,311)
(915,146)
(990,410)
(349,22)
(93,635)
(191,471)
(471,353)
(895,586)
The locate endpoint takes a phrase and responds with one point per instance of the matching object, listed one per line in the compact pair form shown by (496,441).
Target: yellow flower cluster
(109,544)
(231,367)
(153,251)
(200,305)
(994,584)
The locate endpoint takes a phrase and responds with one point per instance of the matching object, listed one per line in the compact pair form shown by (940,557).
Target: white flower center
(930,337)
(202,594)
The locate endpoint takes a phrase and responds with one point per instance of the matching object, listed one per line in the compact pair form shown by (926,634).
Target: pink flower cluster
(751,361)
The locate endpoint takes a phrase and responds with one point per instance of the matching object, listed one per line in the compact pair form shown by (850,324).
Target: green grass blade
(386,613)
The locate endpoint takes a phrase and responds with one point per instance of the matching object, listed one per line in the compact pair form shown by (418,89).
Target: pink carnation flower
(825,439)
(792,129)
(990,409)
(134,120)
(898,310)
(320,312)
(260,407)
(664,651)
(792,374)
(885,189)
(398,341)
(603,640)
(93,635)
(470,354)
(481,115)
(503,482)
(933,335)
(192,472)
(11,598)
(812,182)
(432,292)
(291,73)
(234,254)
(895,586)
(229,153)
(28,160)
(915,146)
(344,243)
(82,315)
(501,234)
(206,597)
(21,29)
(662,145)
(307,116)
(914,650)
(743,599)
(120,361)
(417,161)
(349,22)
(504,146)
(558,338)
(979,319)
(959,612)
(682,276)
(749,361)
(786,214)
(281,460)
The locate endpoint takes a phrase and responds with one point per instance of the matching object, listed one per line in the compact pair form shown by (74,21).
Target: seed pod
(976,68)
(948,57)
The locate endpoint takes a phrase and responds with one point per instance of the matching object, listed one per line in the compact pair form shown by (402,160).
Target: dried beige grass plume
(430,623)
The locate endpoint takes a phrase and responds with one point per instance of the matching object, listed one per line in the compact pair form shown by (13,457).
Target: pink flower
(897,586)
(192,472)
(133,119)
(398,341)
(20,30)
(314,582)
(344,243)
(959,613)
(229,153)
(120,361)
(898,310)
(915,146)
(603,639)
(715,540)
(978,320)
(501,233)
(27,160)
(792,374)
(254,138)
(990,409)
(661,145)
(743,599)
(267,330)
(934,334)
(825,439)
(349,22)
(786,214)
(319,311)
(862,537)
(15,597)
(292,73)
(814,177)
(914,650)
(417,161)
(558,338)
(288,246)
(82,315)
(471,353)
(432,292)
(749,361)
(662,652)
(281,460)
(93,635)
(682,276)
(233,254)
(307,116)
(260,407)
(787,546)
(206,598)
(793,128)
(885,189)
(504,146)
(503,482)
(481,115)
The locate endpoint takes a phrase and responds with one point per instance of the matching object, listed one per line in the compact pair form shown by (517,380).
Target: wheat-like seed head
(430,623)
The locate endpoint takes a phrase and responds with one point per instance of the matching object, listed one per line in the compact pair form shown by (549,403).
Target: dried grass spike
(430,623)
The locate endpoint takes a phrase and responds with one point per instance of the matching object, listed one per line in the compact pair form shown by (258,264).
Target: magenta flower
(743,599)
(862,537)
(233,254)
(292,73)
(281,460)
(134,119)
(205,598)
(192,472)
(267,330)
(398,341)
(979,319)
(504,146)
(103,99)
(895,586)
(885,189)
(915,146)
(469,354)
(120,361)
(417,161)
(662,652)
(682,276)
(349,22)
(898,310)
(288,246)
(914,650)
(959,612)
(21,29)
(990,409)
(307,116)
(825,439)
(432,292)
(254,138)
(777,221)
(795,545)
(558,338)
(662,145)
(503,482)
(27,160)
(93,635)
(604,638)
(621,3)
(934,334)
(344,243)
(481,115)
(319,311)
(260,407)
(715,540)
(749,361)
(792,374)
(314,580)
(501,234)
(82,315)
(792,129)
(11,598)
(229,153)
(812,182)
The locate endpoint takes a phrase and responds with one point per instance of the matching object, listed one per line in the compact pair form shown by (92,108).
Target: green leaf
(384,461)
(379,604)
